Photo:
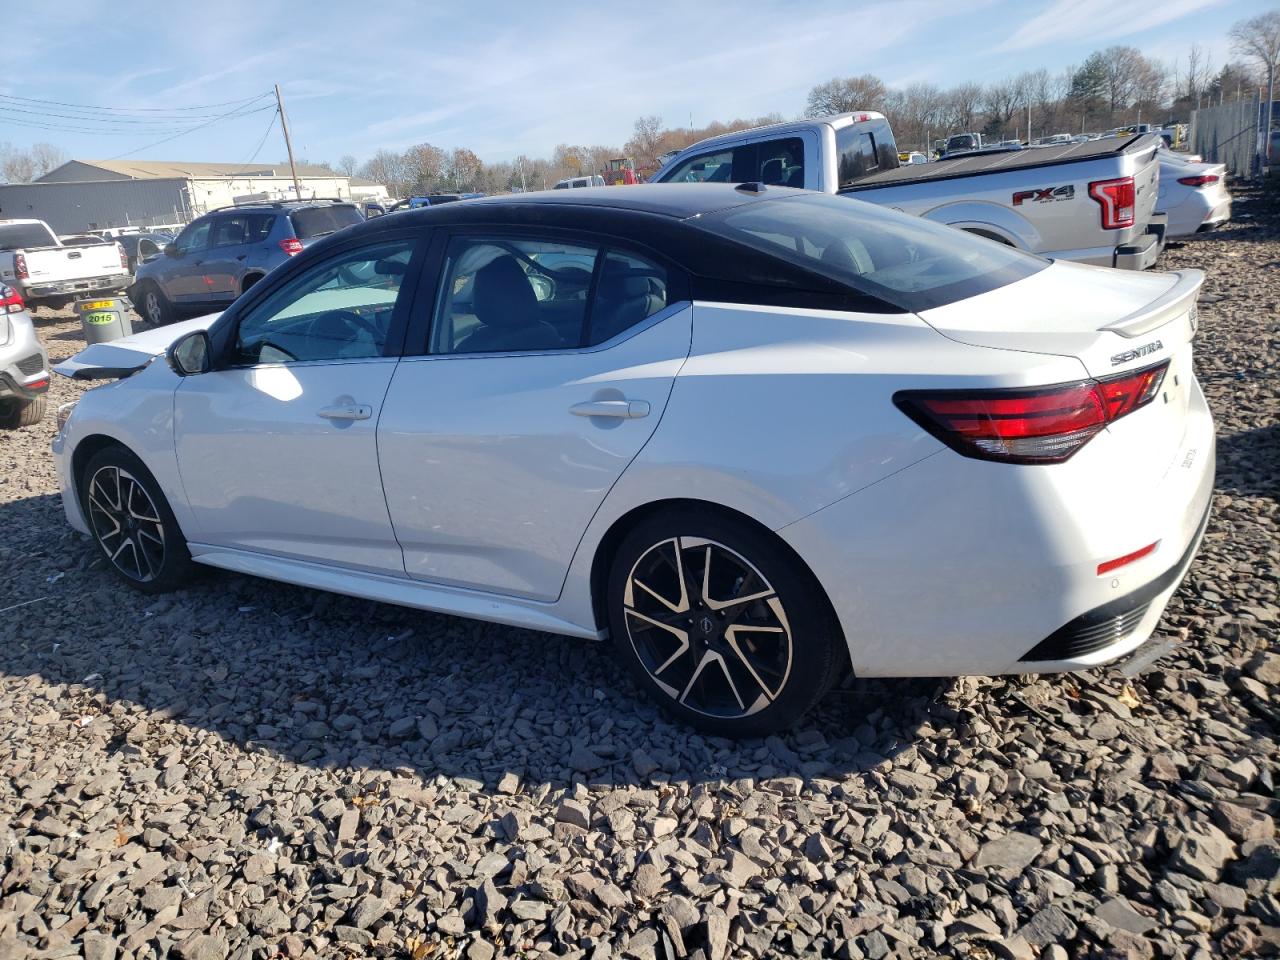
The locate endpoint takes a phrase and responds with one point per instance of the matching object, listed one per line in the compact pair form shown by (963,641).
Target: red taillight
(1201,181)
(124,257)
(1118,199)
(1119,562)
(41,384)
(1042,425)
(20,267)
(10,300)
(291,245)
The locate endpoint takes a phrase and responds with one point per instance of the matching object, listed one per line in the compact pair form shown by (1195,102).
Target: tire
(153,306)
(23,413)
(731,668)
(146,549)
(247,283)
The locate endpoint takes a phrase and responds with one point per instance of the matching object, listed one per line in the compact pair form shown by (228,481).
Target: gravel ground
(247,769)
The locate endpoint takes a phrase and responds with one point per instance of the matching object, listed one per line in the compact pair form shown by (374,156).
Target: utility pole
(288,144)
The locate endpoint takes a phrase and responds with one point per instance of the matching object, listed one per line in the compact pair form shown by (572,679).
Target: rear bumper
(24,367)
(69,288)
(956,566)
(1146,249)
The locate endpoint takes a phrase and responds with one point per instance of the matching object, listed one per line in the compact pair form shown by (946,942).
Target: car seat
(507,308)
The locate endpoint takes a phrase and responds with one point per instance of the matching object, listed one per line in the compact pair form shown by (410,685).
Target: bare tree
(46,157)
(18,167)
(842,94)
(426,167)
(962,105)
(1258,39)
(1198,74)
(348,164)
(644,145)
(464,169)
(1121,67)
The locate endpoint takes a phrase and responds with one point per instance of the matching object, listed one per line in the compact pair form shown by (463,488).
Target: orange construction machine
(620,171)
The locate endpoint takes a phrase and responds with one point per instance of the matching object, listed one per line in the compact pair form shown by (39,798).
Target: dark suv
(222,254)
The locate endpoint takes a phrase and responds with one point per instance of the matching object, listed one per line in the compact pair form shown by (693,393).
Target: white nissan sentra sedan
(752,436)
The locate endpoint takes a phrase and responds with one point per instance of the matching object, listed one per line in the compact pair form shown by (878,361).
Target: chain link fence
(1229,134)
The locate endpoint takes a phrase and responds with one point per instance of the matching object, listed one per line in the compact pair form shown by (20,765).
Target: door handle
(242,256)
(622,409)
(346,411)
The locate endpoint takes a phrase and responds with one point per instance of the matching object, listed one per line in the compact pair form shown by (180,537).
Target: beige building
(85,195)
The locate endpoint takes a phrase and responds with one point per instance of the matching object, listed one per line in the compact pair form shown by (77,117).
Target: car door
(224,259)
(276,445)
(182,279)
(547,368)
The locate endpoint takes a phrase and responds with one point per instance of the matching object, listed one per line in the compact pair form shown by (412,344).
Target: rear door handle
(346,411)
(622,409)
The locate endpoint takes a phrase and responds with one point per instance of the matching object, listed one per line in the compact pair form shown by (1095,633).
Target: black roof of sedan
(653,217)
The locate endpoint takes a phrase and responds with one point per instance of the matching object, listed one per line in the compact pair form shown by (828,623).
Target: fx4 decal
(1047,195)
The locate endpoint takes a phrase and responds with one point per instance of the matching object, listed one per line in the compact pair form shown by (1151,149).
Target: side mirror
(172,250)
(190,355)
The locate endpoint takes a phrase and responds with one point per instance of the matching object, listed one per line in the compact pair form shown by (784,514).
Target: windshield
(19,236)
(907,261)
(311,222)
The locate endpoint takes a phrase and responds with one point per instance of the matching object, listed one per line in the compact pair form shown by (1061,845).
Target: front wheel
(721,624)
(131,522)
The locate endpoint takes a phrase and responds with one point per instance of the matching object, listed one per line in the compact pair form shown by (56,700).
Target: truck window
(779,162)
(704,168)
(19,236)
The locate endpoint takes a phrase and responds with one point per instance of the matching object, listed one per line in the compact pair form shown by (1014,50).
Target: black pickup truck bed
(967,165)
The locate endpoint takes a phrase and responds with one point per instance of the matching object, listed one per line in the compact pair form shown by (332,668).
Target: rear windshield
(907,261)
(19,236)
(311,222)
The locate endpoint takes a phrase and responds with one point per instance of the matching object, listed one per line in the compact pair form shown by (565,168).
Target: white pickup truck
(49,274)
(1091,202)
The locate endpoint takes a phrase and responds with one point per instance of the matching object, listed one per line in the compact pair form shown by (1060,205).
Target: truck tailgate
(52,264)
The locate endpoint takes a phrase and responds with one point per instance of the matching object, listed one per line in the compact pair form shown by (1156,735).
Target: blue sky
(502,78)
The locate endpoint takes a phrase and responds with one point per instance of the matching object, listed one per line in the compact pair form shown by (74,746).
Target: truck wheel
(23,413)
(155,309)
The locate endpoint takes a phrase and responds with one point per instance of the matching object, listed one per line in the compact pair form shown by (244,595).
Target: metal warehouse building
(85,195)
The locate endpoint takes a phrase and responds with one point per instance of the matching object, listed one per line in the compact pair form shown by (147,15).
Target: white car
(1193,195)
(752,435)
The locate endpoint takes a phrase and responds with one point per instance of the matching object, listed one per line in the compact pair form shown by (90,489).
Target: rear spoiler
(1178,299)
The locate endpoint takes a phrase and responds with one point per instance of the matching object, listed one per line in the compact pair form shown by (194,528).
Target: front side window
(907,261)
(707,168)
(340,309)
(504,295)
(194,237)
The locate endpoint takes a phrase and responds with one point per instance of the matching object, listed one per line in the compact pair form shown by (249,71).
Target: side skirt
(402,591)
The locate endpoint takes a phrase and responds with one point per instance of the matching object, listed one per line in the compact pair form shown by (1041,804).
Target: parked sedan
(753,436)
(1193,195)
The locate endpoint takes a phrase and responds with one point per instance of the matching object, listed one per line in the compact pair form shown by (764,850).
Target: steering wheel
(352,320)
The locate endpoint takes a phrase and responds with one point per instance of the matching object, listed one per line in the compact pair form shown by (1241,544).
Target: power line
(84,106)
(271,126)
(233,114)
(79,118)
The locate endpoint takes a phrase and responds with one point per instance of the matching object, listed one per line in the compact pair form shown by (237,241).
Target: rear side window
(311,222)
(18,236)
(910,262)
(864,148)
(630,290)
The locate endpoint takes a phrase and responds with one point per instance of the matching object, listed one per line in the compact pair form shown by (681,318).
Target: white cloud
(1067,21)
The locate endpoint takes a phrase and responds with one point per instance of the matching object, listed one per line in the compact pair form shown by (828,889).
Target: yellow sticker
(98,305)
(99,318)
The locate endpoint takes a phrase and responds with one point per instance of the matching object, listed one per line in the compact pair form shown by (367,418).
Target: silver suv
(24,366)
(222,254)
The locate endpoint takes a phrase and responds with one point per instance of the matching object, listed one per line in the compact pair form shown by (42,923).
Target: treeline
(426,168)
(1113,87)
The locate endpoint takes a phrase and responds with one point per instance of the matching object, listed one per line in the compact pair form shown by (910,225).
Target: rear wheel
(155,308)
(22,413)
(720,624)
(131,522)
